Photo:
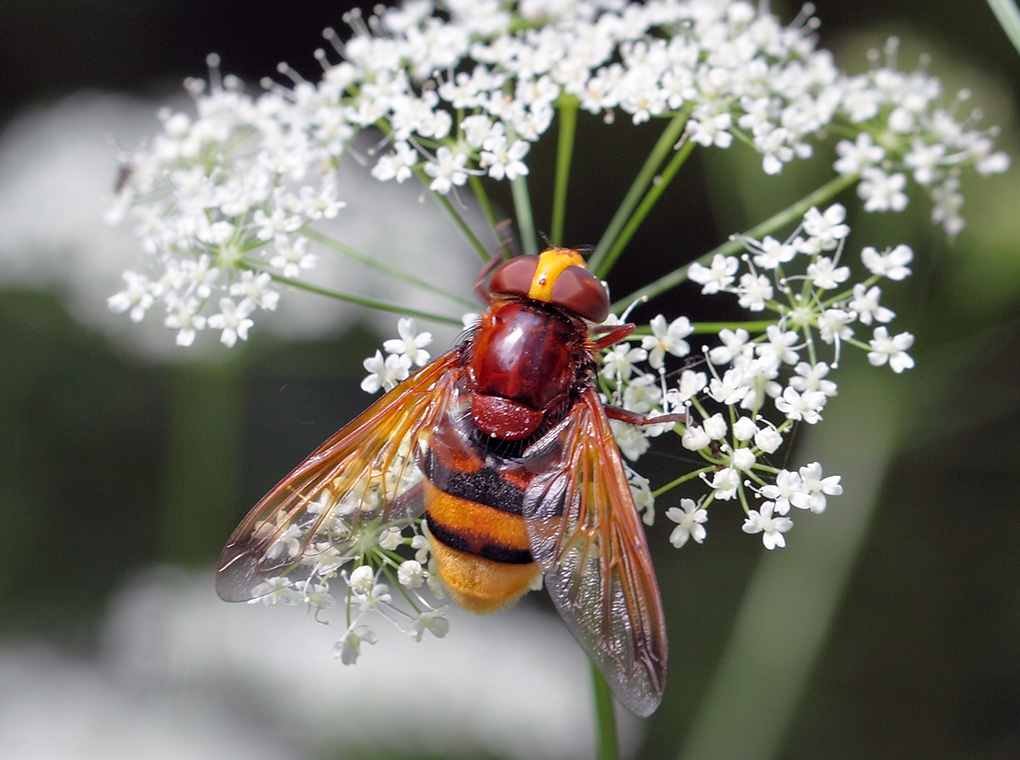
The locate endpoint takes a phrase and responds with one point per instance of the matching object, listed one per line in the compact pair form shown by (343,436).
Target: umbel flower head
(228,202)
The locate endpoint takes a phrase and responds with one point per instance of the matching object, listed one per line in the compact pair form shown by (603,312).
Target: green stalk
(462,225)
(455,215)
(390,271)
(482,198)
(525,220)
(736,242)
(564,152)
(608,745)
(643,209)
(713,328)
(1008,16)
(665,144)
(371,303)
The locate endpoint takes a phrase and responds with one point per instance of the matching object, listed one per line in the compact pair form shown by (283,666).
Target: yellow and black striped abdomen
(477,533)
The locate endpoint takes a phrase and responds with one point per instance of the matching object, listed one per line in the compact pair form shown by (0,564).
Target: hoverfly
(506,445)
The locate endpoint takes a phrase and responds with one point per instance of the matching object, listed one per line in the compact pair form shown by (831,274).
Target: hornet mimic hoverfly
(506,445)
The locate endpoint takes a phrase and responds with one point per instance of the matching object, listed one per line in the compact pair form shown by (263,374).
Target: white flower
(385,373)
(257,289)
(690,519)
(666,339)
(891,263)
(771,253)
(828,228)
(811,377)
(348,649)
(925,160)
(787,491)
(136,298)
(771,528)
(779,345)
(716,277)
(744,429)
(233,320)
(754,291)
(817,487)
(708,130)
(631,441)
(866,306)
(729,389)
(891,349)
(695,438)
(397,164)
(825,275)
(881,191)
(433,621)
(618,362)
(768,439)
(292,256)
(184,318)
(317,596)
(725,482)
(857,156)
(805,406)
(411,343)
(734,343)
(410,574)
(503,161)
(362,579)
(447,170)
(691,383)
(275,590)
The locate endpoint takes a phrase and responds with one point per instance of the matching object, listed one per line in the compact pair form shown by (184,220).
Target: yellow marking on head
(550,264)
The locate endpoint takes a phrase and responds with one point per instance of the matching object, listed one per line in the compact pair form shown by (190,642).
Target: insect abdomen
(478,536)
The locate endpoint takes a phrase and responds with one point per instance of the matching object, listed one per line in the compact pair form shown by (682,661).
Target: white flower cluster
(370,562)
(221,199)
(757,383)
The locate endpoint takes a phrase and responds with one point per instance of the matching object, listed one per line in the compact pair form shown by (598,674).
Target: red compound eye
(556,277)
(581,292)
(515,276)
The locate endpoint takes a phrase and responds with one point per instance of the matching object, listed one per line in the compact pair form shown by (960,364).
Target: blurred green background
(890,627)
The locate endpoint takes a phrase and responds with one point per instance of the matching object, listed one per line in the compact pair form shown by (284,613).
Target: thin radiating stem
(525,220)
(736,242)
(608,743)
(564,153)
(387,269)
(370,303)
(667,140)
(644,208)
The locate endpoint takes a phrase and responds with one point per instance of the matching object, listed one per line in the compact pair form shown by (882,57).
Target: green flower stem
(568,106)
(643,209)
(380,266)
(482,198)
(693,475)
(714,328)
(645,177)
(608,745)
(736,242)
(462,225)
(1008,15)
(525,220)
(455,215)
(371,303)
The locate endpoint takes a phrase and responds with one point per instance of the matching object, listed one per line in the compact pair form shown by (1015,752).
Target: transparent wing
(363,476)
(589,542)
